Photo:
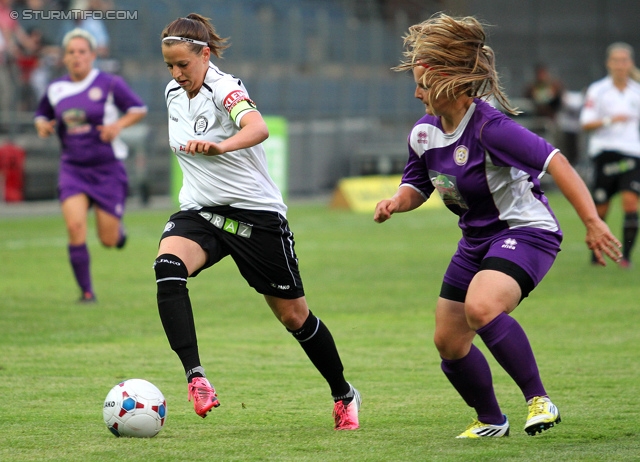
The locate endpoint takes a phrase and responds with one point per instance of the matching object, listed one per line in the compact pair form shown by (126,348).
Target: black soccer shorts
(260,243)
(614,172)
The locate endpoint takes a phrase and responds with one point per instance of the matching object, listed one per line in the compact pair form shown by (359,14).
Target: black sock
(630,231)
(317,342)
(175,311)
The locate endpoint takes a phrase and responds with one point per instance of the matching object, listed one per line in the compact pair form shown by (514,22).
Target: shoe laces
(200,390)
(341,414)
(537,406)
(475,424)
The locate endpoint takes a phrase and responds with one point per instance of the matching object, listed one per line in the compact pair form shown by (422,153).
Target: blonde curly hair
(455,57)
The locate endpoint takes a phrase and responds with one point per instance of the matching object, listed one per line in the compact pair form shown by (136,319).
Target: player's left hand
(207,148)
(602,241)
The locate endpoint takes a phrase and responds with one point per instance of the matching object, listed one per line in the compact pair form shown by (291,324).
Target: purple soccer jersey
(80,107)
(89,165)
(488,173)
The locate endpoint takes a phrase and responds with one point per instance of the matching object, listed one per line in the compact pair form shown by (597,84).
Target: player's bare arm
(253,131)
(404,200)
(599,238)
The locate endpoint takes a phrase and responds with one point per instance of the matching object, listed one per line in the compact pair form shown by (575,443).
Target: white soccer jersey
(237,178)
(603,99)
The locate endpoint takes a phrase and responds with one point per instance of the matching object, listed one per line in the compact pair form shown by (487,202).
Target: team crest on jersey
(200,125)
(461,155)
(95,94)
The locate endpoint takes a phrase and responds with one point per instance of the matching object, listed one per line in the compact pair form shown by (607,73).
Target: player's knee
(477,314)
(170,271)
(449,348)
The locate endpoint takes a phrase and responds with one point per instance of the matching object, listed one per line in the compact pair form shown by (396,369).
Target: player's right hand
(45,127)
(384,210)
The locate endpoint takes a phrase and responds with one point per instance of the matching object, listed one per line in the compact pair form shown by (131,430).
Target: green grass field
(375,286)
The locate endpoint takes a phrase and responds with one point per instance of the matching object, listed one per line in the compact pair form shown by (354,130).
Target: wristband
(606,121)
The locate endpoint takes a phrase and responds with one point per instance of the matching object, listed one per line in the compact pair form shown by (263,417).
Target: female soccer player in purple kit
(82,107)
(487,170)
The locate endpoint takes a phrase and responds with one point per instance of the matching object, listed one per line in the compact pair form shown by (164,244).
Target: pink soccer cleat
(204,396)
(346,416)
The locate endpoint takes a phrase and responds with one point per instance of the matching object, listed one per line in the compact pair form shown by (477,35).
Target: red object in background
(12,172)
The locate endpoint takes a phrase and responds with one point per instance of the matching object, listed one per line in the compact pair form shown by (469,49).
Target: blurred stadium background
(324,65)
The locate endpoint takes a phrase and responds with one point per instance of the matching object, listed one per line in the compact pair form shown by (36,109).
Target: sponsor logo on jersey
(446,187)
(234,98)
(227,224)
(461,155)
(76,121)
(510,244)
(173,119)
(422,137)
(95,94)
(200,125)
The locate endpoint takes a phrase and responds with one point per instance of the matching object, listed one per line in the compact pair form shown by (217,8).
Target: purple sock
(471,377)
(510,346)
(79,257)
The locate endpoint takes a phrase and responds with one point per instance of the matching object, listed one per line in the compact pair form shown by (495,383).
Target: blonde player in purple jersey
(229,206)
(486,169)
(83,108)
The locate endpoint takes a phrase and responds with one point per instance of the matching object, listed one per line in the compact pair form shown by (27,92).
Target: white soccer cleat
(543,414)
(478,429)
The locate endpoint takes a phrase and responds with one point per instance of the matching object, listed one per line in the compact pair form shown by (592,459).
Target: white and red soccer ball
(135,408)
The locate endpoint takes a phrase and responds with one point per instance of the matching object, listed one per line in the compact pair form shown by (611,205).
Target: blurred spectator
(35,70)
(96,27)
(49,66)
(568,120)
(12,37)
(545,92)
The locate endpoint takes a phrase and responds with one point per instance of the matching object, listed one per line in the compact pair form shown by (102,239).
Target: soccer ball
(136,408)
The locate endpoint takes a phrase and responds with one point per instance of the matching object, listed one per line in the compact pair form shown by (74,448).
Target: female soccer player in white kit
(611,116)
(229,206)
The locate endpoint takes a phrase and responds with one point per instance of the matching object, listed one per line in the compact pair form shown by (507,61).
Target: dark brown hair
(195,27)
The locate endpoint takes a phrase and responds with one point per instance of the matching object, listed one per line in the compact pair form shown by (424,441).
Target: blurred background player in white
(229,205)
(82,108)
(611,116)
(487,169)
